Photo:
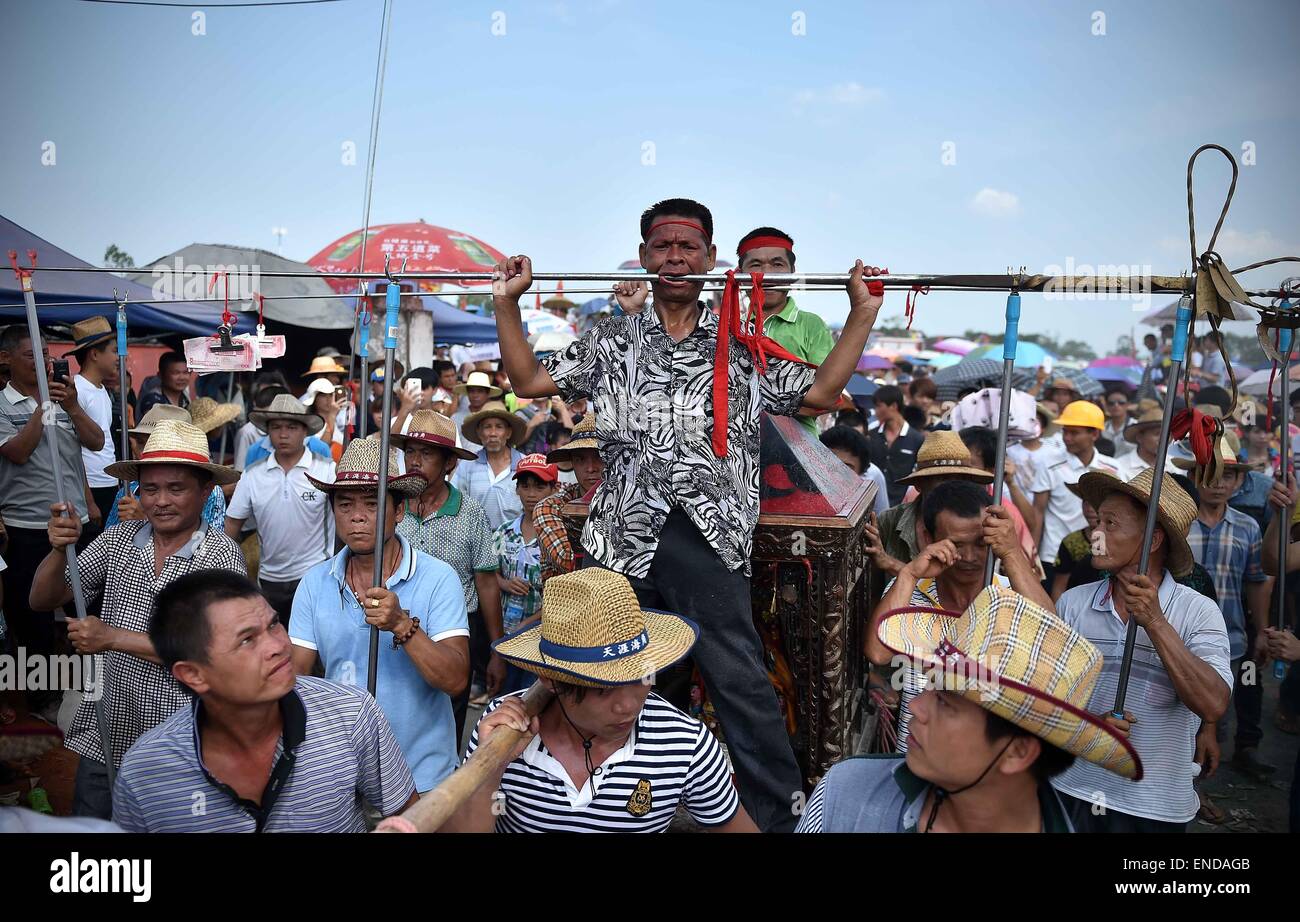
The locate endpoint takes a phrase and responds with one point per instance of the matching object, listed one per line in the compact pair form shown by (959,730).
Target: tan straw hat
(1047,413)
(287,406)
(157,413)
(593,632)
(430,427)
(944,453)
(90,332)
(1228,460)
(1017,661)
(174,442)
(1150,417)
(1175,513)
(584,436)
(493,409)
(358,469)
(478,379)
(324,365)
(207,414)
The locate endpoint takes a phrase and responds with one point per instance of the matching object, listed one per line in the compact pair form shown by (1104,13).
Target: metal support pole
(225,430)
(1004,411)
(1284,527)
(124,448)
(50,413)
(1182,321)
(390,344)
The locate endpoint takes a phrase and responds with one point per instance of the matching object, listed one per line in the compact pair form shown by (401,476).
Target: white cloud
(840,94)
(995,203)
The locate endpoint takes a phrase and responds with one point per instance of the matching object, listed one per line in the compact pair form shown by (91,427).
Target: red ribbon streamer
(1200,428)
(909,306)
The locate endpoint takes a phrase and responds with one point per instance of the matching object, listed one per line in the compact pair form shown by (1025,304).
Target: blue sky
(1068,145)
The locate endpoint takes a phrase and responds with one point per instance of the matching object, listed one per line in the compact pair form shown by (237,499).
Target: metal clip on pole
(1009,342)
(1182,321)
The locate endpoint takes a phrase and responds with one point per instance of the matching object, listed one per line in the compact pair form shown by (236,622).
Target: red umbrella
(426,248)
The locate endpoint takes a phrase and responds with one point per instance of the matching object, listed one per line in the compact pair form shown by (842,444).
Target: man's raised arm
(833,374)
(527,376)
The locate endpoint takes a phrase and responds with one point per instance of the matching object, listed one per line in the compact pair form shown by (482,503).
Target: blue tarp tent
(185,317)
(453,325)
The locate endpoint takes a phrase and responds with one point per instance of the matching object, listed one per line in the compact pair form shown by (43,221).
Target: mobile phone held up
(60,371)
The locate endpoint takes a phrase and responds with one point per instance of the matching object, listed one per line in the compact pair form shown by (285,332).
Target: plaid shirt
(557,552)
(1230,551)
(118,569)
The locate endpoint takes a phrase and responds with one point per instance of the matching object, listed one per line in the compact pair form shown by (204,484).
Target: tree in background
(118,259)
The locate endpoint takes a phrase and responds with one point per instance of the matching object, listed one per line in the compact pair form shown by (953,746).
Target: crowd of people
(233,595)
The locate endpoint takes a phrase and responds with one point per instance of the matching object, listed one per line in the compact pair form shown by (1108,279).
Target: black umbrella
(968,373)
(1087,385)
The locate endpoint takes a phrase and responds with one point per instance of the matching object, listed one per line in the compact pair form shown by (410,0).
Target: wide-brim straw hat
(584,436)
(324,365)
(207,414)
(1050,428)
(358,469)
(429,427)
(593,632)
(943,453)
(478,379)
(1228,458)
(174,442)
(1020,662)
(1149,418)
(157,413)
(90,332)
(1175,513)
(493,409)
(287,406)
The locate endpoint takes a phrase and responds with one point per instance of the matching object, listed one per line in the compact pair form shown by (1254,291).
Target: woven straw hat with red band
(584,436)
(429,427)
(1020,662)
(358,469)
(174,442)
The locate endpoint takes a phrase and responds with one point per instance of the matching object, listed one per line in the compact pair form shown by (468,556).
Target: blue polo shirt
(328,619)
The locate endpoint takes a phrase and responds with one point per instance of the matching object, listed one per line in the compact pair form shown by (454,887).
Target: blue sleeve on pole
(121,332)
(1285,345)
(1013,327)
(390,328)
(363,335)
(1182,321)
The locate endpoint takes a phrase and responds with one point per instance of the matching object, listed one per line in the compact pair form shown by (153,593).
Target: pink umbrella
(955,345)
(1115,361)
(870,362)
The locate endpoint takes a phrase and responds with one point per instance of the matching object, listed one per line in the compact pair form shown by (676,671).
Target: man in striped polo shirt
(606,755)
(258,749)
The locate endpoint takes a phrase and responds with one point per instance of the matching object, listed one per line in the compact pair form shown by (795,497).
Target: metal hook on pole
(1009,342)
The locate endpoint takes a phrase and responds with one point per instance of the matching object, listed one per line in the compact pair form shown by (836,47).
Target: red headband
(754,243)
(690,224)
(174,454)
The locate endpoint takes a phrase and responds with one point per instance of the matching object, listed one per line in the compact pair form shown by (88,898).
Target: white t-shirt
(98,404)
(1028,463)
(294,521)
(1064,509)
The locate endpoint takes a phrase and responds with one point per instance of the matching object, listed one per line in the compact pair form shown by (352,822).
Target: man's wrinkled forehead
(675,229)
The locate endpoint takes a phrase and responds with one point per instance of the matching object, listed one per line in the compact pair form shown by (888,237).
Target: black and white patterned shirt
(118,567)
(654,418)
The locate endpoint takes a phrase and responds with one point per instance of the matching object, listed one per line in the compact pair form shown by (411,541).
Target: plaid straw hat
(943,452)
(286,406)
(493,409)
(593,632)
(430,427)
(584,436)
(174,442)
(324,365)
(358,469)
(157,413)
(478,379)
(1019,662)
(207,414)
(1175,513)
(90,332)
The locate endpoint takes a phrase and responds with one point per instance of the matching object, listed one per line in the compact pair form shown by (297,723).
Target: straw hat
(1083,413)
(1227,457)
(358,469)
(493,409)
(593,632)
(478,379)
(1019,662)
(430,427)
(1151,417)
(286,406)
(944,453)
(157,413)
(207,414)
(1175,513)
(174,442)
(1062,384)
(584,436)
(324,365)
(1050,428)
(90,332)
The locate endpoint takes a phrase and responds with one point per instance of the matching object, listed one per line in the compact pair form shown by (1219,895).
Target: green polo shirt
(806,335)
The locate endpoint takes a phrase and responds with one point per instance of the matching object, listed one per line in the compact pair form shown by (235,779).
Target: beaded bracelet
(398,641)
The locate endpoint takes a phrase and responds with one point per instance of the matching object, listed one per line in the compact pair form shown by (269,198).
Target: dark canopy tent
(183,317)
(451,325)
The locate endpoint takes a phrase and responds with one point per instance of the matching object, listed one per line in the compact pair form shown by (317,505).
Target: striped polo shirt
(669,759)
(336,749)
(1164,729)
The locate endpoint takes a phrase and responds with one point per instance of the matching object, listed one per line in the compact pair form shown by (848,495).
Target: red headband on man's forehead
(690,224)
(755,243)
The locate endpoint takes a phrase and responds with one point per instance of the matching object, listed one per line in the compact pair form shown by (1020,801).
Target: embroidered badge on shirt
(640,802)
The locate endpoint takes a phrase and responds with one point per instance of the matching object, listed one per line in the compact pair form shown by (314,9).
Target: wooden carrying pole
(439,805)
